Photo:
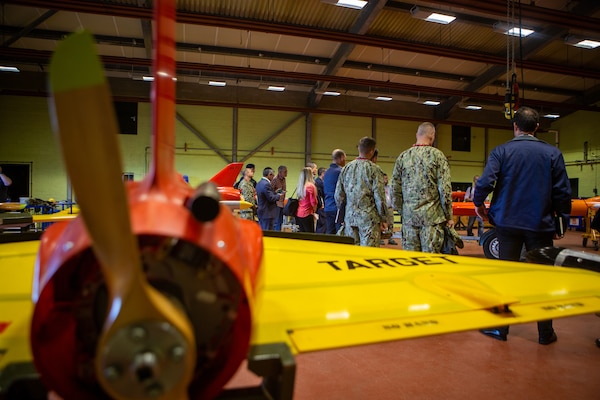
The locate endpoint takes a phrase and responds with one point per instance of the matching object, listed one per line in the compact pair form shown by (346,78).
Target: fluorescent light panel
(380,97)
(150,78)
(512,30)
(331,93)
(431,16)
(354,4)
(431,103)
(552,115)
(473,107)
(587,44)
(440,18)
(272,88)
(217,83)
(5,68)
(582,42)
(523,32)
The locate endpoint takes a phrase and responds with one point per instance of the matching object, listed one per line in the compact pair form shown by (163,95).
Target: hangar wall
(205,142)
(574,132)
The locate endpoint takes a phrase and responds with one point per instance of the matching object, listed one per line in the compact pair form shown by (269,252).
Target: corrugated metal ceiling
(286,40)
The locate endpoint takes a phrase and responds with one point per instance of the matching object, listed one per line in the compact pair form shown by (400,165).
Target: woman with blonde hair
(307,201)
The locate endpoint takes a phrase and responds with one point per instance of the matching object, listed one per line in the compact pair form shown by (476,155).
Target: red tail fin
(228,175)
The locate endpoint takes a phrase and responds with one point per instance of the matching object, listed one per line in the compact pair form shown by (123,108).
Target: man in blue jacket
(267,199)
(333,220)
(531,189)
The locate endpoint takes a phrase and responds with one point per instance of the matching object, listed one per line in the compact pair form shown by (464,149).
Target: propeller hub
(144,360)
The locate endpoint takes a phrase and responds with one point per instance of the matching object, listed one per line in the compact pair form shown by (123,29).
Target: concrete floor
(457,366)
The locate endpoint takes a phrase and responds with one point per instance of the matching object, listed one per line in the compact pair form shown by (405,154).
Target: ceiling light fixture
(431,103)
(588,44)
(380,98)
(431,16)
(473,107)
(331,93)
(145,78)
(275,88)
(354,4)
(166,75)
(582,42)
(272,88)
(217,83)
(4,68)
(552,115)
(502,27)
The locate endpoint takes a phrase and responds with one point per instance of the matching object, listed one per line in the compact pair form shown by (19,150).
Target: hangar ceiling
(312,47)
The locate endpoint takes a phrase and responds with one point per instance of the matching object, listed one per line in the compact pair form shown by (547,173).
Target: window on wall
(20,174)
(126,117)
(461,138)
(575,188)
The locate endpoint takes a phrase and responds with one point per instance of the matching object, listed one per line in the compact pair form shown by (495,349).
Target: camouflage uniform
(390,205)
(360,188)
(423,197)
(247,190)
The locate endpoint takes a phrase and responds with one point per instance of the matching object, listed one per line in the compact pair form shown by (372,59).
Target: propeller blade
(83,118)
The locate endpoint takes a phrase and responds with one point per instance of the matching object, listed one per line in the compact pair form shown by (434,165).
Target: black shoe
(469,233)
(494,333)
(549,339)
(598,342)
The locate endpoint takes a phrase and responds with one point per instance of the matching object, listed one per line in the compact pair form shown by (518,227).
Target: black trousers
(332,225)
(306,224)
(510,245)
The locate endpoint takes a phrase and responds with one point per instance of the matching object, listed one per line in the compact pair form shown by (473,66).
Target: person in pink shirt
(307,201)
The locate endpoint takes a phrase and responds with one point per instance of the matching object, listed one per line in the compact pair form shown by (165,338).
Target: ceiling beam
(490,7)
(43,57)
(531,48)
(360,27)
(146,29)
(289,57)
(547,16)
(31,26)
(316,33)
(299,58)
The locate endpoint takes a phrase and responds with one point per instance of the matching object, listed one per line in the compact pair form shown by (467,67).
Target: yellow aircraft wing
(64,215)
(16,277)
(316,295)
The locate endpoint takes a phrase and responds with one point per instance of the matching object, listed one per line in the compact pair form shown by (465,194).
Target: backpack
(290,209)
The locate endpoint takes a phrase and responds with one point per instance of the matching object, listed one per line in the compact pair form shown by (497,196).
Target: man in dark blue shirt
(333,220)
(321,222)
(531,188)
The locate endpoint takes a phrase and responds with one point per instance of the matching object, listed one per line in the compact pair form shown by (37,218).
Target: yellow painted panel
(16,270)
(15,317)
(316,285)
(327,337)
